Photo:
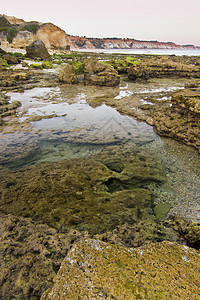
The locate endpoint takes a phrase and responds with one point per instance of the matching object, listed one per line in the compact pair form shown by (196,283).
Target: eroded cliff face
(117,43)
(25,33)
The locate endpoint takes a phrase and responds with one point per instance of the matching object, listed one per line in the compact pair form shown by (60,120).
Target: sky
(162,20)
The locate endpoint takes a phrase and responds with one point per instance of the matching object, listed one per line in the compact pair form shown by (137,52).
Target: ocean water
(145,51)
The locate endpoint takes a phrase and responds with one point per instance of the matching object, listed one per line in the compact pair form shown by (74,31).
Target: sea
(178,52)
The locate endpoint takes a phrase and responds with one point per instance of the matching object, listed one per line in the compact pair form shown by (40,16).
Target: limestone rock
(30,256)
(68,75)
(189,98)
(53,37)
(37,50)
(138,72)
(97,270)
(96,73)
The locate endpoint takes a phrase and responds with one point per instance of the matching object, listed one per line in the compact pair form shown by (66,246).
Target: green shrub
(47,65)
(36,66)
(11,33)
(32,27)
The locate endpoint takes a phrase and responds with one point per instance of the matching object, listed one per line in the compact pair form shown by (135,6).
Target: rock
(189,98)
(68,75)
(97,270)
(96,199)
(30,256)
(138,72)
(161,210)
(96,73)
(53,37)
(10,59)
(37,50)
(2,52)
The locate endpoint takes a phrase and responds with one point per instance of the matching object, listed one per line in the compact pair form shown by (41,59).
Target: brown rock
(10,59)
(68,75)
(30,256)
(96,73)
(37,49)
(97,270)
(53,37)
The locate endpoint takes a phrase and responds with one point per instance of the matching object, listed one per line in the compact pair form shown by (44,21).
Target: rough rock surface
(68,75)
(96,73)
(160,67)
(7,108)
(96,199)
(37,50)
(189,99)
(30,256)
(97,270)
(53,37)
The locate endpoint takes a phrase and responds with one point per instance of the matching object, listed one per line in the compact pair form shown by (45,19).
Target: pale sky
(163,20)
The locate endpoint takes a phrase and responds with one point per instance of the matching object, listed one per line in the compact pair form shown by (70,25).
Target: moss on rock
(97,270)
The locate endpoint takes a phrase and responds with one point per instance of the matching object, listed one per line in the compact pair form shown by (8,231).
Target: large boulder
(68,75)
(96,73)
(97,270)
(37,49)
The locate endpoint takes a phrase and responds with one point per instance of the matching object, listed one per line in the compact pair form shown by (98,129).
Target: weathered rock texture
(53,37)
(30,256)
(105,192)
(37,50)
(96,73)
(96,270)
(68,75)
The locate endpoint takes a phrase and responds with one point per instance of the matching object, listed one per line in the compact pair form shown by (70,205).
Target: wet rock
(138,72)
(10,59)
(189,99)
(161,210)
(95,199)
(96,73)
(36,50)
(68,75)
(190,231)
(138,234)
(30,256)
(7,108)
(97,270)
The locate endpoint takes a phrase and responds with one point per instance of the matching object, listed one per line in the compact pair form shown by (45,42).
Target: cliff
(20,34)
(77,42)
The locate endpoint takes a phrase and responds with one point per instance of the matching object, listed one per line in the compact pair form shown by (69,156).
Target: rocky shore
(100,224)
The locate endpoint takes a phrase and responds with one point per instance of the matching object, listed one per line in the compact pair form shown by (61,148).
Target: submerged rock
(97,270)
(68,75)
(97,198)
(96,73)
(37,49)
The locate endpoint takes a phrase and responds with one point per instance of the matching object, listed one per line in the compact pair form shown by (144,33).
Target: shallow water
(79,126)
